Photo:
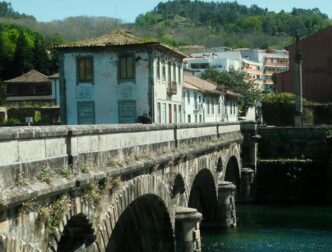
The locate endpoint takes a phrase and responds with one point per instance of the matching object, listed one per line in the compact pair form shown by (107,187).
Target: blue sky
(46,10)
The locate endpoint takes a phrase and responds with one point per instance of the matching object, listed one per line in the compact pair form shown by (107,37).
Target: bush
(13,122)
(37,117)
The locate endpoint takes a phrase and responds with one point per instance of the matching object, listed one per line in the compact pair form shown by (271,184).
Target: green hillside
(227,24)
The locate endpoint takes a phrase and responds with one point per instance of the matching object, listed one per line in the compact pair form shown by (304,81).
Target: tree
(235,81)
(40,57)
(23,55)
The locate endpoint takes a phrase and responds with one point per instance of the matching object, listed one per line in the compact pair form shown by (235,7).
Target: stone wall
(162,166)
(294,164)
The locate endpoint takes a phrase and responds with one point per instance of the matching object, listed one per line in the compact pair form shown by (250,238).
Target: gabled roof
(30,77)
(203,85)
(54,76)
(116,39)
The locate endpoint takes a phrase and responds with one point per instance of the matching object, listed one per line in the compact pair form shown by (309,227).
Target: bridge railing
(26,151)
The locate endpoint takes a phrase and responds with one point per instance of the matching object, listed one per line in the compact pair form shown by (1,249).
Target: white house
(203,102)
(118,77)
(258,65)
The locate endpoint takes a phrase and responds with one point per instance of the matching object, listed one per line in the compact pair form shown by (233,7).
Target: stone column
(247,180)
(187,232)
(298,85)
(226,204)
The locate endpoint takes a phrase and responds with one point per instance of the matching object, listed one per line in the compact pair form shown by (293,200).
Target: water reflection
(275,228)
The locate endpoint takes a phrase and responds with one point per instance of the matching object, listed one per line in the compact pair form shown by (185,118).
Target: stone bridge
(120,187)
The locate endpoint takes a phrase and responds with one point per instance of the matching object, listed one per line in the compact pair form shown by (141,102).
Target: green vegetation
(46,176)
(279,109)
(236,82)
(228,24)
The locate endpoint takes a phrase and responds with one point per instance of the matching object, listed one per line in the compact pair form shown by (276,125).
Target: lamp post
(298,120)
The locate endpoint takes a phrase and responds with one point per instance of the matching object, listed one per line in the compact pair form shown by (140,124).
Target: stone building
(118,77)
(203,102)
(316,67)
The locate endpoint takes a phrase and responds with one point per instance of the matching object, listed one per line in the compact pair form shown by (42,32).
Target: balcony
(172,88)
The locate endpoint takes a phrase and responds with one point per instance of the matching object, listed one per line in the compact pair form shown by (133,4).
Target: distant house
(32,87)
(118,77)
(203,102)
(258,65)
(316,67)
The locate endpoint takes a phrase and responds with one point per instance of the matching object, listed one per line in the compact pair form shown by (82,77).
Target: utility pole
(298,120)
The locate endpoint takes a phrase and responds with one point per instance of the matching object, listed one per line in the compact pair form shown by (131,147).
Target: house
(118,77)
(32,87)
(316,67)
(203,102)
(258,65)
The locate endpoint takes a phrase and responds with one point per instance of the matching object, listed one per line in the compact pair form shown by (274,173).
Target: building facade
(118,77)
(203,102)
(316,67)
(258,65)
(32,87)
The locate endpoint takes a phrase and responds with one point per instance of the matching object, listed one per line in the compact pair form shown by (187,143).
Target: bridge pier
(226,204)
(187,232)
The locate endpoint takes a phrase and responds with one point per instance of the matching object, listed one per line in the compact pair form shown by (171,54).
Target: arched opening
(78,234)
(178,191)
(233,173)
(203,196)
(145,225)
(220,167)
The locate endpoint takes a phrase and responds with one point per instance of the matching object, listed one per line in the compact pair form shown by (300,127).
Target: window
(86,112)
(127,111)
(174,72)
(127,67)
(212,105)
(175,114)
(195,100)
(159,112)
(164,113)
(189,119)
(180,114)
(158,69)
(179,75)
(188,97)
(169,72)
(84,69)
(164,72)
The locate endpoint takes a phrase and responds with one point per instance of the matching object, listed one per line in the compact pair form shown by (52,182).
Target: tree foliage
(235,81)
(235,25)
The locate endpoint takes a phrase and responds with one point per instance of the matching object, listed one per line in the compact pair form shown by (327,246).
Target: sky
(128,10)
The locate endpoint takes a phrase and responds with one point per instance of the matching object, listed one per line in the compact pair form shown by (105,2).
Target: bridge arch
(142,207)
(179,191)
(203,195)
(76,229)
(233,172)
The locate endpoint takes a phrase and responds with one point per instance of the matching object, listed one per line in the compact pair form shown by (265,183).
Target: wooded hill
(26,43)
(227,24)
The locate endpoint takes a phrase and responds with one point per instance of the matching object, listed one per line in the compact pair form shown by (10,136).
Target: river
(274,228)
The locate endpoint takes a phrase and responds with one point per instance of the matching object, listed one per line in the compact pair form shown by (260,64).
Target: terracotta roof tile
(116,38)
(30,77)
